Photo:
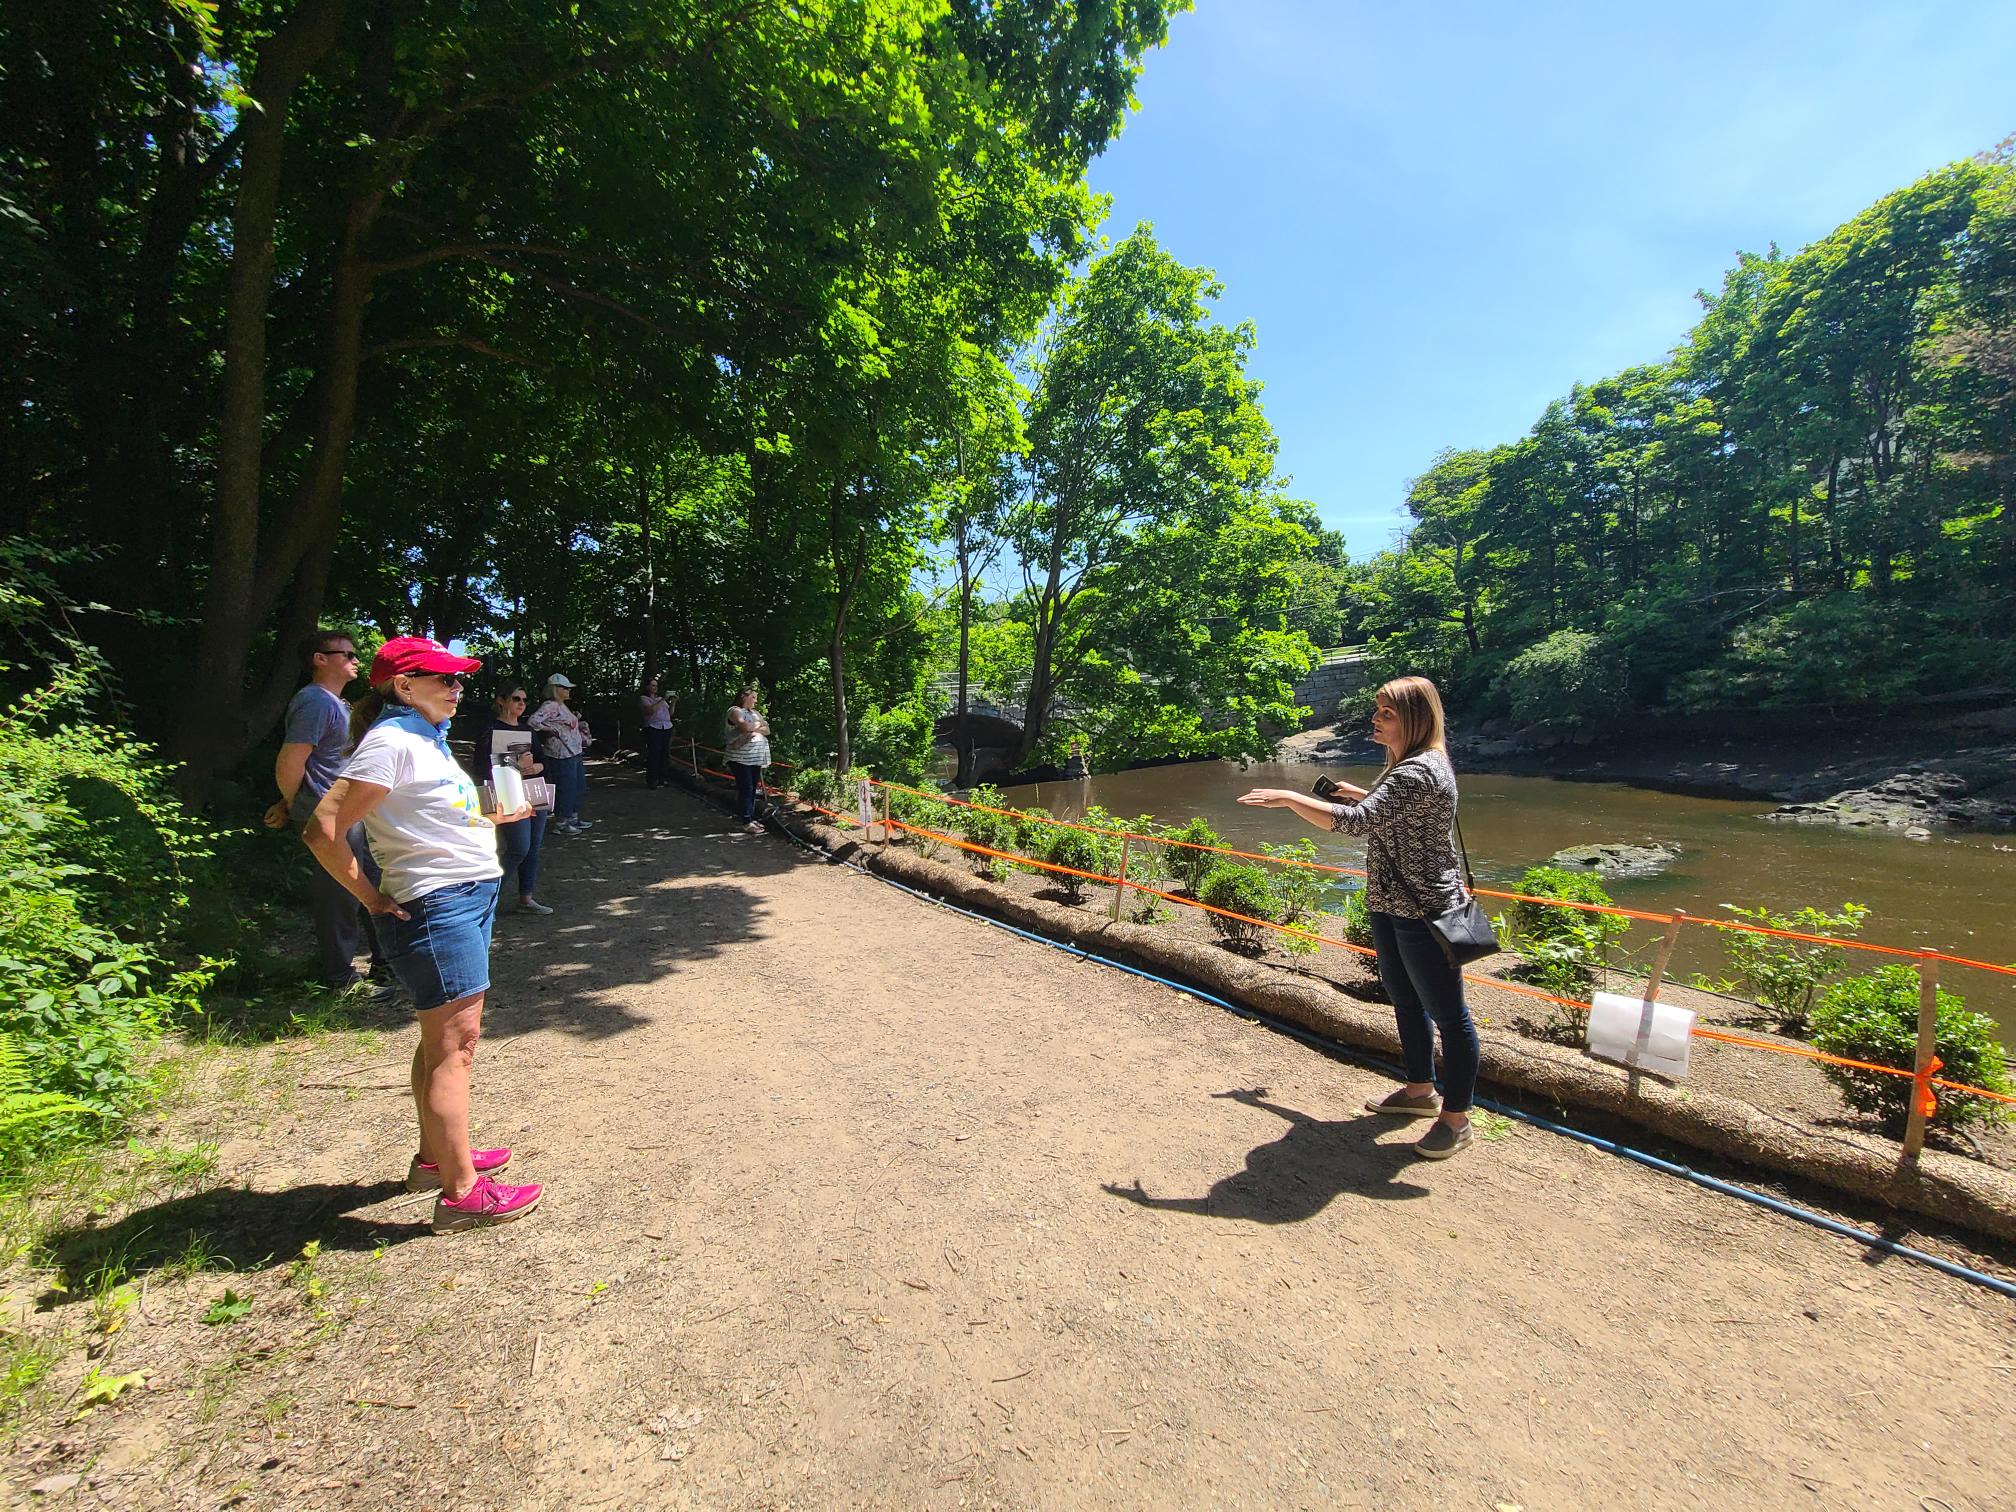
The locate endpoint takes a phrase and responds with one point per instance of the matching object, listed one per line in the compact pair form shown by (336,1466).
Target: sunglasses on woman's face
(514,698)
(446,679)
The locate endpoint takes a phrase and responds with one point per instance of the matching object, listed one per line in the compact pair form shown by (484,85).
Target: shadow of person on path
(1294,1177)
(228,1229)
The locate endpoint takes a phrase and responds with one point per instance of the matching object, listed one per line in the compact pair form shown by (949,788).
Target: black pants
(657,757)
(748,777)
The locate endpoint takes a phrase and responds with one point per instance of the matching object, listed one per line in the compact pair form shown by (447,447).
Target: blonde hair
(1418,707)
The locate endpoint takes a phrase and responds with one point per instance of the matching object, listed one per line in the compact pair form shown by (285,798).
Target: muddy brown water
(1954,892)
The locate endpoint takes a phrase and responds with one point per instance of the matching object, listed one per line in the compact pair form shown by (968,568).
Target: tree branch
(467,343)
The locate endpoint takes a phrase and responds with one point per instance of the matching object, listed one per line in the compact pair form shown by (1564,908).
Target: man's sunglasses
(346,654)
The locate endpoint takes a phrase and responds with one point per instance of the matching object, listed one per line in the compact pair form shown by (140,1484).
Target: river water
(1952,893)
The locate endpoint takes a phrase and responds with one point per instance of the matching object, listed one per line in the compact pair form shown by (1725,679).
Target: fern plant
(20,1103)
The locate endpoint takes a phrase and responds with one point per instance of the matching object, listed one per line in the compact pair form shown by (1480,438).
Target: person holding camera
(563,736)
(1413,882)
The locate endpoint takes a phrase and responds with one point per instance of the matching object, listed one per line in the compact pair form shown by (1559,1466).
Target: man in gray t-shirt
(313,743)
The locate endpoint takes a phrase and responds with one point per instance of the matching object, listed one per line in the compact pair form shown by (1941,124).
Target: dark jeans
(341,925)
(1427,994)
(518,850)
(748,777)
(657,757)
(569,776)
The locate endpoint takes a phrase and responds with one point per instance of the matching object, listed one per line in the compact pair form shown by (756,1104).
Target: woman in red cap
(434,906)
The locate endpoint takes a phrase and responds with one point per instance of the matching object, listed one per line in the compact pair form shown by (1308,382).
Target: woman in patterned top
(1411,875)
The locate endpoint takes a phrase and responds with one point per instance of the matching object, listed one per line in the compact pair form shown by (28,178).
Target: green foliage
(996,831)
(1357,919)
(1187,865)
(22,1105)
(1805,507)
(1243,889)
(1298,893)
(895,743)
(96,861)
(818,786)
(228,1308)
(1034,830)
(932,814)
(1563,951)
(1785,975)
(1082,851)
(1874,1018)
(1570,681)
(1148,865)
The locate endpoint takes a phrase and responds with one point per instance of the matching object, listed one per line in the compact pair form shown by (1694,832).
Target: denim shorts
(441,951)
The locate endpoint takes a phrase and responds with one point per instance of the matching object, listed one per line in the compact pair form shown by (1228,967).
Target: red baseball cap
(407,654)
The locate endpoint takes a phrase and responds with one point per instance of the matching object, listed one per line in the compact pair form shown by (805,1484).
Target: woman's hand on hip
(385,904)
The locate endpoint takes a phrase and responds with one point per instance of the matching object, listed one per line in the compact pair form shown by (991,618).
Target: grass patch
(25,1363)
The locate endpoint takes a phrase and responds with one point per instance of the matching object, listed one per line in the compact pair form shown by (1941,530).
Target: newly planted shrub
(1357,919)
(930,817)
(1242,889)
(1298,893)
(996,831)
(817,786)
(1563,951)
(1188,865)
(1785,975)
(1874,1018)
(1034,830)
(1082,851)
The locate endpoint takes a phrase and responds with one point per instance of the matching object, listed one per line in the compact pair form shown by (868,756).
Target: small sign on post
(1646,1034)
(864,808)
(1923,1101)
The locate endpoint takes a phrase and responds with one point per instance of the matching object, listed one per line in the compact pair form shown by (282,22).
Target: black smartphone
(1325,788)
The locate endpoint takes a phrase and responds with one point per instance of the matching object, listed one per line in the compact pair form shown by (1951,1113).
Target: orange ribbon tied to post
(1924,1099)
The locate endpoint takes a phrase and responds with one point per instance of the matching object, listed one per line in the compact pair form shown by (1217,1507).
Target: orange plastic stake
(1924,1102)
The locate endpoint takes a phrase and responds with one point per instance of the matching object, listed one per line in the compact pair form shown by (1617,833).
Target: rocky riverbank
(1918,778)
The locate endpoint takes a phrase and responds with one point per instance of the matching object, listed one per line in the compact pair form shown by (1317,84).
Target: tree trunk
(846,578)
(963,733)
(208,738)
(650,580)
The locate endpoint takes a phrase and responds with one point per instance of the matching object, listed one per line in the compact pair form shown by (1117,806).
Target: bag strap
(1456,823)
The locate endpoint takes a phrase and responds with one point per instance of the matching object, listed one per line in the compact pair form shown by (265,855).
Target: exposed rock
(1975,794)
(1616,860)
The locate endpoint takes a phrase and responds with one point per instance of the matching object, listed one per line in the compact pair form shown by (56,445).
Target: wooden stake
(1651,999)
(1121,886)
(886,831)
(1928,1040)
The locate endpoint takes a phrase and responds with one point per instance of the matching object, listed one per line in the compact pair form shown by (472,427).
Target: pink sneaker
(422,1177)
(488,1202)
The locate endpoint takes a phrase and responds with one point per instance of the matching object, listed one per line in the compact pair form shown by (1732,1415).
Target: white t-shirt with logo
(429,831)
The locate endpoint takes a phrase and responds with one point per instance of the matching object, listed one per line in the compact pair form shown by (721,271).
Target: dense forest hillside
(1809,505)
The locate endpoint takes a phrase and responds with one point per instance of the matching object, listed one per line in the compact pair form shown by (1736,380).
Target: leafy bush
(1244,889)
(1034,830)
(1785,975)
(895,743)
(1187,865)
(1570,681)
(925,813)
(96,866)
(1298,893)
(817,786)
(1357,919)
(995,831)
(1562,950)
(1083,851)
(1874,1018)
(1148,865)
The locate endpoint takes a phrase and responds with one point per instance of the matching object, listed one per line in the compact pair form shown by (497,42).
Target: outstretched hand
(1268,798)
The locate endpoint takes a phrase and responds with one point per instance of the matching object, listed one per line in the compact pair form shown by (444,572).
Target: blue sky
(1442,217)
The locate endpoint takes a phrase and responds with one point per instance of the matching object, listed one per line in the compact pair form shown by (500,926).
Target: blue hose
(1339,1052)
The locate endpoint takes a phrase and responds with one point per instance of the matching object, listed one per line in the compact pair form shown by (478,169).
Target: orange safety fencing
(1521,989)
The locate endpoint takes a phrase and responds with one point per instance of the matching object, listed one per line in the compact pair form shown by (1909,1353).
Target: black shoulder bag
(1463,929)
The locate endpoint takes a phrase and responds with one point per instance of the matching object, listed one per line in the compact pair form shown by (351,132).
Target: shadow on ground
(653,888)
(227,1229)
(1295,1177)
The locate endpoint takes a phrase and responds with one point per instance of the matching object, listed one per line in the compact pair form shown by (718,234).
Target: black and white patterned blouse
(1410,854)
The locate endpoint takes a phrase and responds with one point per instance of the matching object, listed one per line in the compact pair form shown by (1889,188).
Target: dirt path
(844,1211)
